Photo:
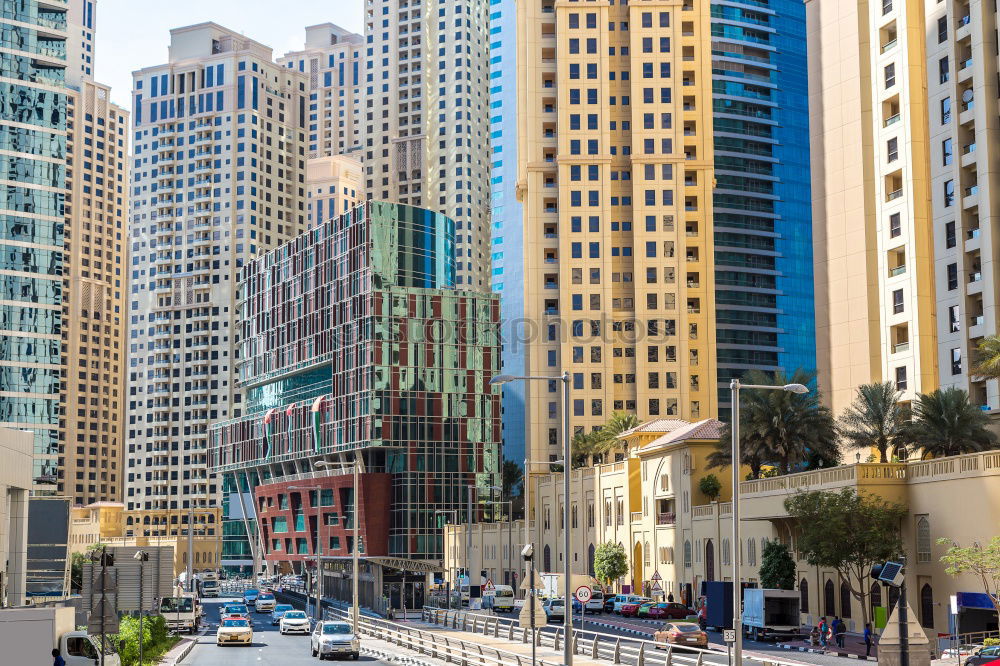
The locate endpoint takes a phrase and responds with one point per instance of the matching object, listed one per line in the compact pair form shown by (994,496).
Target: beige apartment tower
(615,176)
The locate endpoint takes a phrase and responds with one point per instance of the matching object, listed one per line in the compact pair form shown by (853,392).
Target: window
(949,193)
(949,235)
(943,69)
(687,553)
(901,378)
(956,361)
(895,227)
(942,29)
(953,324)
(946,110)
(946,152)
(890,75)
(892,150)
(845,599)
(897,301)
(927,606)
(803,596)
(952,277)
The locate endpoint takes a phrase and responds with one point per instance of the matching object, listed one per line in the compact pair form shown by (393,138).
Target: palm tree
(782,428)
(606,439)
(988,351)
(945,423)
(584,448)
(875,419)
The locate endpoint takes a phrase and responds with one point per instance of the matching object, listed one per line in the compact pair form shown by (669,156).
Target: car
(235,610)
(278,611)
(265,602)
(250,596)
(687,634)
(623,599)
(331,639)
(984,655)
(596,602)
(630,609)
(643,610)
(294,621)
(670,610)
(234,631)
(609,602)
(554,608)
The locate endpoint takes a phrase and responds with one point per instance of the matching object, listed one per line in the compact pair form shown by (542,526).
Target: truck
(208,584)
(770,613)
(181,613)
(28,636)
(716,605)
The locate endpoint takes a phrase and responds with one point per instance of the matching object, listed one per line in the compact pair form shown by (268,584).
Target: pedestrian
(839,629)
(57,659)
(824,629)
(670,598)
(868,640)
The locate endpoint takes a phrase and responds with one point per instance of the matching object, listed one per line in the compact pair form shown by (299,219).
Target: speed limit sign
(583,594)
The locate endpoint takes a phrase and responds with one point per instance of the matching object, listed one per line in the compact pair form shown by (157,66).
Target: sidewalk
(854,648)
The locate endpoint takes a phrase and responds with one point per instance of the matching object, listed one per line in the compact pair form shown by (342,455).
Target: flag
(317,408)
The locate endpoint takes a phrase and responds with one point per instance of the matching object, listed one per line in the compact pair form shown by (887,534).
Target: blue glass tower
(32,205)
(507,223)
(763,222)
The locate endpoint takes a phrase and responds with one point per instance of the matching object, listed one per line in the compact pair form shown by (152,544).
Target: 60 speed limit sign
(583,594)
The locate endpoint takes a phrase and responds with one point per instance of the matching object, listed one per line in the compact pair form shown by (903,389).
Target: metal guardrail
(950,645)
(596,645)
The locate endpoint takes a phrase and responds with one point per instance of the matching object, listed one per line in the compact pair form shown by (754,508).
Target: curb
(606,625)
(184,651)
(395,658)
(830,653)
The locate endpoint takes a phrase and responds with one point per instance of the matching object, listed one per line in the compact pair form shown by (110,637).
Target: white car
(234,630)
(596,602)
(331,639)
(294,622)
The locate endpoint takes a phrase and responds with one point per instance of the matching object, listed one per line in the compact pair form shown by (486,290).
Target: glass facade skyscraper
(32,205)
(763,221)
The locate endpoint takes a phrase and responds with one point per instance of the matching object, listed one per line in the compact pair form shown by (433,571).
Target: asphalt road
(269,647)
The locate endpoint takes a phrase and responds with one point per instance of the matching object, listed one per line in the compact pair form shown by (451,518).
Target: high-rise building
(81,51)
(870,75)
(94,306)
(33,131)
(334,62)
(333,186)
(355,342)
(761,204)
(616,172)
(426,136)
(218,177)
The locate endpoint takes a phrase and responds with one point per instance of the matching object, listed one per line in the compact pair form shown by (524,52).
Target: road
(269,648)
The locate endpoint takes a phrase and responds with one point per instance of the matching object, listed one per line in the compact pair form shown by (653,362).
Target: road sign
(729,635)
(532,604)
(583,594)
(656,576)
(526,582)
(656,589)
(489,589)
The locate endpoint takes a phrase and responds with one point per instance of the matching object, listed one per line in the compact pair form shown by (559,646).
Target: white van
(623,599)
(503,599)
(596,603)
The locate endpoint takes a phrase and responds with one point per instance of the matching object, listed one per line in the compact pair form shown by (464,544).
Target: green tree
(511,479)
(781,428)
(606,438)
(610,562)
(76,572)
(849,532)
(777,568)
(875,419)
(982,563)
(988,351)
(710,486)
(945,423)
(584,447)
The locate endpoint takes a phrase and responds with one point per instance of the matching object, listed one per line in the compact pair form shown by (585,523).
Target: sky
(132,34)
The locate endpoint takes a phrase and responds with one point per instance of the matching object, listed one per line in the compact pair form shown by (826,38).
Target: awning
(979,600)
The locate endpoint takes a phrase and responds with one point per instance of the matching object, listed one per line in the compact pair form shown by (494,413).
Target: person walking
(57,659)
(839,629)
(824,629)
(868,640)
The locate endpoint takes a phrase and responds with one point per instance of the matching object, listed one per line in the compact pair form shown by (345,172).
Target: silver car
(332,639)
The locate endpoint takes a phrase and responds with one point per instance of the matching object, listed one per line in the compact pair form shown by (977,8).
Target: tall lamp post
(143,557)
(510,521)
(567,464)
(355,525)
(317,614)
(735,386)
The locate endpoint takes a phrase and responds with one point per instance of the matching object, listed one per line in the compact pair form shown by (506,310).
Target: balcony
(891,120)
(895,194)
(898,270)
(666,518)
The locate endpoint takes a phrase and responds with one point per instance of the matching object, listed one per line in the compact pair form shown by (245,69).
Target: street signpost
(532,605)
(583,594)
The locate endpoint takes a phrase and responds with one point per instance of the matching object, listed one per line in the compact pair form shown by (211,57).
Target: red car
(632,609)
(669,611)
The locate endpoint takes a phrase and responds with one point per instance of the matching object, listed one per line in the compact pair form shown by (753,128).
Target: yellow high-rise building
(615,176)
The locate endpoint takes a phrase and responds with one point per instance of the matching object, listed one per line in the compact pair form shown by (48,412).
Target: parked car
(686,634)
(596,602)
(330,639)
(623,599)
(984,655)
(294,621)
(669,610)
(554,609)
(630,609)
(250,596)
(234,630)
(644,608)
(279,612)
(235,610)
(265,602)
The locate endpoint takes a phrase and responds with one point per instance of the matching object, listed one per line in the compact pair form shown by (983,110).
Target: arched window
(646,554)
(751,552)
(803,596)
(923,540)
(875,597)
(687,553)
(845,599)
(829,603)
(709,560)
(547,559)
(927,606)
(590,559)
(725,553)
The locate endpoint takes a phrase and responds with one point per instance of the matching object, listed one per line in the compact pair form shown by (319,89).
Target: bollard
(510,631)
(593,648)
(576,642)
(617,657)
(641,659)
(670,657)
(538,637)
(524,634)
(555,641)
(496,629)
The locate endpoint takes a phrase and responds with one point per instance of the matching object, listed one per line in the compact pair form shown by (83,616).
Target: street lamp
(142,557)
(319,543)
(735,387)
(356,551)
(567,463)
(510,521)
